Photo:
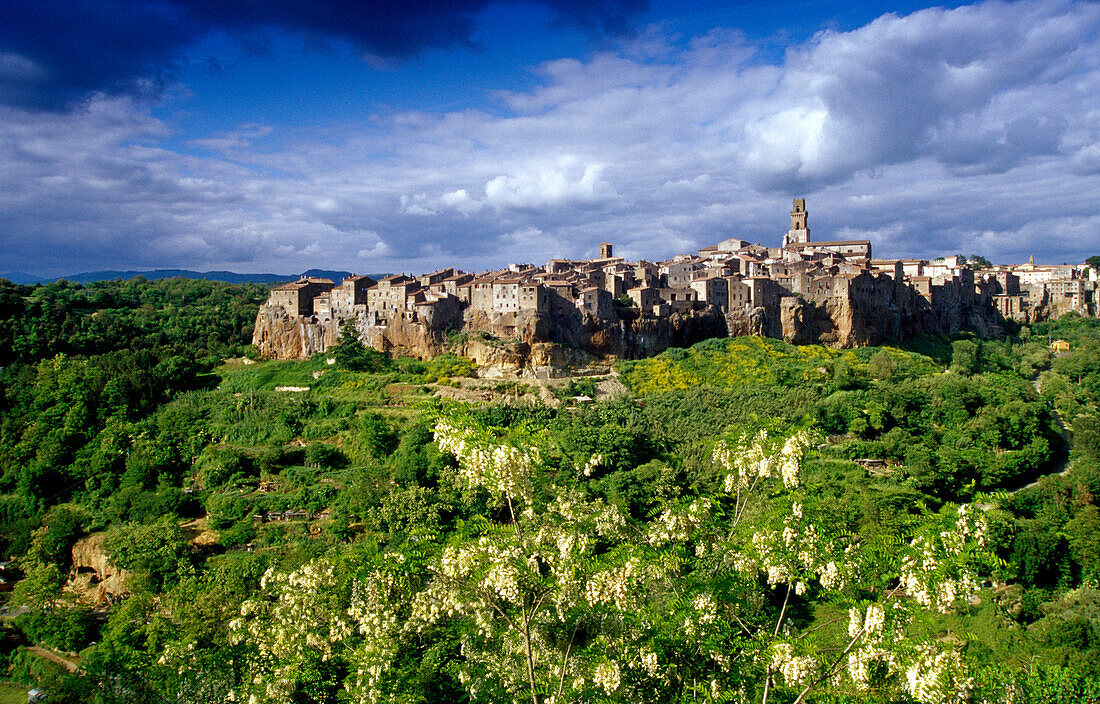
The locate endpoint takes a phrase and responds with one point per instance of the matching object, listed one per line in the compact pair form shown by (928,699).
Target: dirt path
(55,658)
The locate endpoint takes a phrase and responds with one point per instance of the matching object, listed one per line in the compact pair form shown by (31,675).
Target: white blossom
(796,669)
(938,677)
(607,676)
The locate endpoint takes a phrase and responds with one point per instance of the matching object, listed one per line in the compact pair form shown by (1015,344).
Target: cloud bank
(971,130)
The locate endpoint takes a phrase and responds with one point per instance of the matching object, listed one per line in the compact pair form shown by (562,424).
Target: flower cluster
(593,462)
(679,522)
(607,676)
(302,620)
(763,458)
(795,554)
(497,466)
(937,572)
(938,677)
(376,619)
(615,587)
(796,669)
(866,628)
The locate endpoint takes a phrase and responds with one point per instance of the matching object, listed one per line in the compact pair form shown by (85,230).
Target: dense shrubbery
(343,497)
(978,425)
(192,317)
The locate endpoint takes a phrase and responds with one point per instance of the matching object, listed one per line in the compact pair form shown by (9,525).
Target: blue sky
(403,136)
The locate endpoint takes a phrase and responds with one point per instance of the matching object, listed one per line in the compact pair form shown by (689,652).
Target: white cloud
(242,138)
(566,182)
(379,250)
(461,201)
(417,205)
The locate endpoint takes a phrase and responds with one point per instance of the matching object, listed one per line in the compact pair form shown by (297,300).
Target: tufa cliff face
(516,343)
(531,343)
(843,323)
(96,579)
(279,336)
(836,322)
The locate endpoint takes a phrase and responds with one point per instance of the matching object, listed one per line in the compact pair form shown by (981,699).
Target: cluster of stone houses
(734,276)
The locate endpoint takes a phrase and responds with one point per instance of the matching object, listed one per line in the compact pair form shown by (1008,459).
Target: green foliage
(444,367)
(964,357)
(353,355)
(733,362)
(321,455)
(148,429)
(66,629)
(196,318)
(157,552)
(376,436)
(614,432)
(417,460)
(582,386)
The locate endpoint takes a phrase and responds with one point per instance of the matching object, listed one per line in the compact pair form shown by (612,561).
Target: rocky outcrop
(280,336)
(522,343)
(96,579)
(531,344)
(837,322)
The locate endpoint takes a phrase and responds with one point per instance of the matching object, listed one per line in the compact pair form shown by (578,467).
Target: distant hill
(231,277)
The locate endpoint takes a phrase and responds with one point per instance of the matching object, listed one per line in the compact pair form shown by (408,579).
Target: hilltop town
(830,292)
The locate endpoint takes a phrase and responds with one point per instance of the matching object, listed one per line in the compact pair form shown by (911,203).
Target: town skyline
(831,292)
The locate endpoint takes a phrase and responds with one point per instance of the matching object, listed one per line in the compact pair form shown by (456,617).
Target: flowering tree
(888,587)
(530,588)
(557,596)
(296,630)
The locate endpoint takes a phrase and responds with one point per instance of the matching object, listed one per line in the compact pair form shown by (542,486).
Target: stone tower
(605,250)
(800,231)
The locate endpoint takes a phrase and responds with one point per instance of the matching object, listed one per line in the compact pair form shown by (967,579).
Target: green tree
(158,552)
(1084,541)
(353,355)
(557,596)
(376,436)
(881,366)
(965,357)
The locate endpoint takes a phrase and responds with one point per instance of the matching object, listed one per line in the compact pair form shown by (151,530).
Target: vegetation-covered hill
(706,537)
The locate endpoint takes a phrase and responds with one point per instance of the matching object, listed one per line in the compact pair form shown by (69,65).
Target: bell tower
(800,231)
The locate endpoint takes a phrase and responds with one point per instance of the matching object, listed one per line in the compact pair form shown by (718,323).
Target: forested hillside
(747,521)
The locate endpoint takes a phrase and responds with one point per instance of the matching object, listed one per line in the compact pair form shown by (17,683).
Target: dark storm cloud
(56,52)
(53,52)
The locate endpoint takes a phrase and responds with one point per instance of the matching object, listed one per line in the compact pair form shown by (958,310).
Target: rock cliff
(516,343)
(95,578)
(527,343)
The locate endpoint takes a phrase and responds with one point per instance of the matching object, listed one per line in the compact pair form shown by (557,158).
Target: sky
(408,135)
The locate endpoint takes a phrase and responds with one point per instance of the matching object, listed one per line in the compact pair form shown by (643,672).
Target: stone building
(297,297)
(800,230)
(712,291)
(351,292)
(645,298)
(850,249)
(389,297)
(505,295)
(596,302)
